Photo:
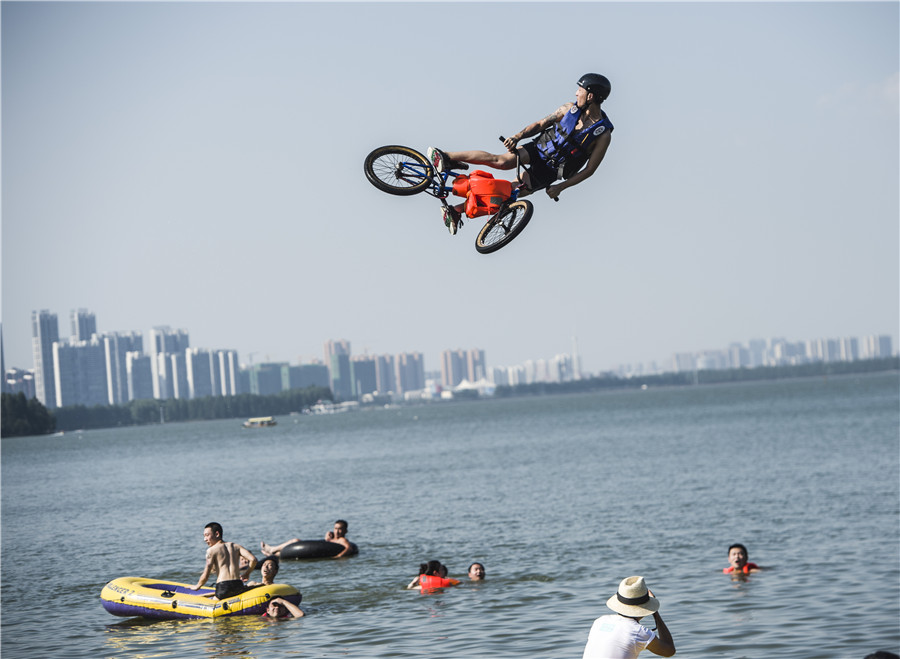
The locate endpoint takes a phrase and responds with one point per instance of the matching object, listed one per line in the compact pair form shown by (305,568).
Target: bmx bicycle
(400,170)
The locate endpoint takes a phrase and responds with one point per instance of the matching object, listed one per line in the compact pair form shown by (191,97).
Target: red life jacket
(430,581)
(483,192)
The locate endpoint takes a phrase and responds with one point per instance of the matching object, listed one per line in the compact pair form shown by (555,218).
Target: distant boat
(259,422)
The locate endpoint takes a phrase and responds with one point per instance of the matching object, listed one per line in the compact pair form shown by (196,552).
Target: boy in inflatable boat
(224,558)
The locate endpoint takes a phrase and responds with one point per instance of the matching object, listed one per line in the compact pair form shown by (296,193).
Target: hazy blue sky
(200,166)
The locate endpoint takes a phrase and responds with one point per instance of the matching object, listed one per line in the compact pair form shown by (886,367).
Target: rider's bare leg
(485,159)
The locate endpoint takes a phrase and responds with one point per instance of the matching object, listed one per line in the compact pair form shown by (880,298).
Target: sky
(201,166)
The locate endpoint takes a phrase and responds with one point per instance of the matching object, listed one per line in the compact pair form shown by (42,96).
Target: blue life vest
(564,148)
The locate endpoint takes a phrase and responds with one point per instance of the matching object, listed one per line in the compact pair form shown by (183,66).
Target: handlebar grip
(502,139)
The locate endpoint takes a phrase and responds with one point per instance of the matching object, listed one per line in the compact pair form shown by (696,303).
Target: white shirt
(617,637)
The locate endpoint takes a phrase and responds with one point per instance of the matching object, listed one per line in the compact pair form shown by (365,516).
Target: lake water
(560,497)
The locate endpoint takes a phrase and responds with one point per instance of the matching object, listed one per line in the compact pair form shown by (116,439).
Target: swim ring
(312,549)
(170,600)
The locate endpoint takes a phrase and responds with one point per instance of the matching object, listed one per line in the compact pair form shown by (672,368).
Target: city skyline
(161,175)
(93,367)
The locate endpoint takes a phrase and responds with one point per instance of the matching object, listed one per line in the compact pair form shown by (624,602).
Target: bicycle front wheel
(504,226)
(398,170)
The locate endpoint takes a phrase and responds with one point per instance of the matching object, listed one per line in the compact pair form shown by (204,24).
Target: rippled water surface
(560,497)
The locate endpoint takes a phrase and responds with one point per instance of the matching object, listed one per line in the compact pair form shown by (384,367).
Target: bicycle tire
(503,227)
(398,170)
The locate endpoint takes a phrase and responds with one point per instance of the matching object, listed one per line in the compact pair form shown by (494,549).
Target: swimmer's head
(268,567)
(276,610)
(737,555)
(476,572)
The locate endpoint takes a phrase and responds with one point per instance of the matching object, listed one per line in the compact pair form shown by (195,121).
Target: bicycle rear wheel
(504,226)
(398,170)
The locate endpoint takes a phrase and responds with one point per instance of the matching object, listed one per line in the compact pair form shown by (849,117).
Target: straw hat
(633,599)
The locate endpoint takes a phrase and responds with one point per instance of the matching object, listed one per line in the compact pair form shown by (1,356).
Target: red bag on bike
(483,192)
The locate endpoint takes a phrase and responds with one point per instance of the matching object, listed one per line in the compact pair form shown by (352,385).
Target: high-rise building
(4,387)
(79,372)
(139,376)
(337,357)
(849,349)
(265,379)
(385,376)
(116,346)
(453,368)
(475,366)
(363,373)
(876,347)
(410,372)
(229,372)
(84,324)
(200,369)
(164,341)
(44,333)
(18,380)
(304,375)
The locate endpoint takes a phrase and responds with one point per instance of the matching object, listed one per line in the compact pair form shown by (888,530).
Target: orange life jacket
(429,581)
(483,192)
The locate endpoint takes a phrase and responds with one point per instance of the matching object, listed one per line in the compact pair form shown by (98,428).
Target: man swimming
(738,559)
(476,572)
(224,558)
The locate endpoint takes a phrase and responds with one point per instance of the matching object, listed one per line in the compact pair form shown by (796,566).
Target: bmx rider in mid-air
(570,146)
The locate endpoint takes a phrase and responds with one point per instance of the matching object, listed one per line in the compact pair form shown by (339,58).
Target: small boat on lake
(260,422)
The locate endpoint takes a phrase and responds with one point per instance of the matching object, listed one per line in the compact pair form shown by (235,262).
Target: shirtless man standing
(224,558)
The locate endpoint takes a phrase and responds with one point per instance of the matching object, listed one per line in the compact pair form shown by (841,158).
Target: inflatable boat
(169,600)
(313,549)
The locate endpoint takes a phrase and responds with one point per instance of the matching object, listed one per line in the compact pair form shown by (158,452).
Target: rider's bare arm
(598,151)
(537,127)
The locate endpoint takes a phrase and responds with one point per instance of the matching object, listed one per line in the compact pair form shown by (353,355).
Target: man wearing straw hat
(622,636)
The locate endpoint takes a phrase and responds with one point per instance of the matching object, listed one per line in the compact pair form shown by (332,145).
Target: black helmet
(596,84)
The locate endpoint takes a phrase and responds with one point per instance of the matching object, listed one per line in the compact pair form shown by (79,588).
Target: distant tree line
(701,377)
(21,417)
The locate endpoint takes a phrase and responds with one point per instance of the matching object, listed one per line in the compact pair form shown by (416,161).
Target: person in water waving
(224,558)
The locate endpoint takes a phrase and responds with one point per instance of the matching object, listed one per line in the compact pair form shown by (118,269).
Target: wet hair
(474,564)
(431,568)
(882,654)
(342,523)
(215,527)
(738,545)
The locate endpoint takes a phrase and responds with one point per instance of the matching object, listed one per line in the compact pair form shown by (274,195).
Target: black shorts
(540,174)
(226,589)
